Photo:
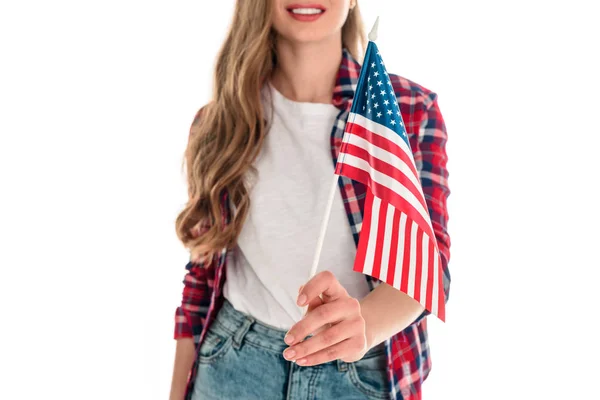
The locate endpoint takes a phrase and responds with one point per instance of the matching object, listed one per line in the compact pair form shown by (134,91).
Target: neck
(307,72)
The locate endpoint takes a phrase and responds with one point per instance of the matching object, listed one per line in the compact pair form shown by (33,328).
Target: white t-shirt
(287,204)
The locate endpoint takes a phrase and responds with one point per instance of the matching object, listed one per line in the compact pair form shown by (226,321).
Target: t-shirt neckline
(299,107)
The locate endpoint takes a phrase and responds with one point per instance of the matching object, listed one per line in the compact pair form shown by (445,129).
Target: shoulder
(410,93)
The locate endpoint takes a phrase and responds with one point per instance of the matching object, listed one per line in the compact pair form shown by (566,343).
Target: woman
(259,163)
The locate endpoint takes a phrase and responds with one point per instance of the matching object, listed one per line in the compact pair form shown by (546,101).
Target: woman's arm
(387,311)
(191,314)
(189,321)
(431,159)
(184,358)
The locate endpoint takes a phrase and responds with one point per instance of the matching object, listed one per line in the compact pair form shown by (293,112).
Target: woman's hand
(334,319)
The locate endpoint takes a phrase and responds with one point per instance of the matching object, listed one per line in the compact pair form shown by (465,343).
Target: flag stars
(379,83)
(369,110)
(383,92)
(393,122)
(376,105)
(373,65)
(372,96)
(389,112)
(378,115)
(386,102)
(370,87)
(376,74)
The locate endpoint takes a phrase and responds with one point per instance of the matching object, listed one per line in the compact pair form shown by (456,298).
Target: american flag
(397,244)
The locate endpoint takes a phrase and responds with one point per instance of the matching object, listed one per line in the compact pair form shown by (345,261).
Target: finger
(325,284)
(311,306)
(314,303)
(327,338)
(317,301)
(339,350)
(325,314)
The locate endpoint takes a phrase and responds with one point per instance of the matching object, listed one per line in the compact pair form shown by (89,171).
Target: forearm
(184,358)
(387,311)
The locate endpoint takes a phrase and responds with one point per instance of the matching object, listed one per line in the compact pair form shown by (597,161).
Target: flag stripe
(430,274)
(418,255)
(441,311)
(399,275)
(379,248)
(372,238)
(391,268)
(382,191)
(436,280)
(359,260)
(391,190)
(384,142)
(388,239)
(382,130)
(412,265)
(406,257)
(424,269)
(387,168)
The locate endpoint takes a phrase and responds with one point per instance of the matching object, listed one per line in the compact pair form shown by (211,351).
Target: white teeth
(307,11)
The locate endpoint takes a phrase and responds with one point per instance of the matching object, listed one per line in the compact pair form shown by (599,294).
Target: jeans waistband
(244,327)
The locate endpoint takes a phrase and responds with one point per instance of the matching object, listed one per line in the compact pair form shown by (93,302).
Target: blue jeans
(241,358)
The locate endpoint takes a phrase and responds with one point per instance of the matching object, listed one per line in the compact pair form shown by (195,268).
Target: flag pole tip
(373,33)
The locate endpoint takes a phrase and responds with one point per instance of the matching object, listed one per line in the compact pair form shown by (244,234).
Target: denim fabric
(241,358)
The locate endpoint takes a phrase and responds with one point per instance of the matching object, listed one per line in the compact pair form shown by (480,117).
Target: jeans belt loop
(342,366)
(241,332)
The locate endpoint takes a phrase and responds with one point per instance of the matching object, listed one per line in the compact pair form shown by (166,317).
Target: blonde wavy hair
(227,134)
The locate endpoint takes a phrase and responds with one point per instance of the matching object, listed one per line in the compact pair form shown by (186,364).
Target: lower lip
(306,17)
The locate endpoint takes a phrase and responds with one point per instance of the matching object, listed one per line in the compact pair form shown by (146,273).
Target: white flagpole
(313,269)
(334,184)
(373,33)
(315,263)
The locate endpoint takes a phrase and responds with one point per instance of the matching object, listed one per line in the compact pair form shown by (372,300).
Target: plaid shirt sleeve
(431,159)
(190,316)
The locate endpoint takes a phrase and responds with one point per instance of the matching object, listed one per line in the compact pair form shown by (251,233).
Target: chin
(306,37)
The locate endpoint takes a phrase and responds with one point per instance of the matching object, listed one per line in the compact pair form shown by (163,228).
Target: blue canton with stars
(374,97)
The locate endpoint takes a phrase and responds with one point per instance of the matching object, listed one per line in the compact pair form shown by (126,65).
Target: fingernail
(289,339)
(301,361)
(300,288)
(289,354)
(302,299)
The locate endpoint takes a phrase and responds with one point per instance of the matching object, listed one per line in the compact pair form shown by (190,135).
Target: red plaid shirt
(408,357)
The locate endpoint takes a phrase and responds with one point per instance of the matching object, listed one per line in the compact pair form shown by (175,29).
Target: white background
(96,100)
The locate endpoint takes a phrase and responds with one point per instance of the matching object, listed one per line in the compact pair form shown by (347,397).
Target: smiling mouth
(306,11)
